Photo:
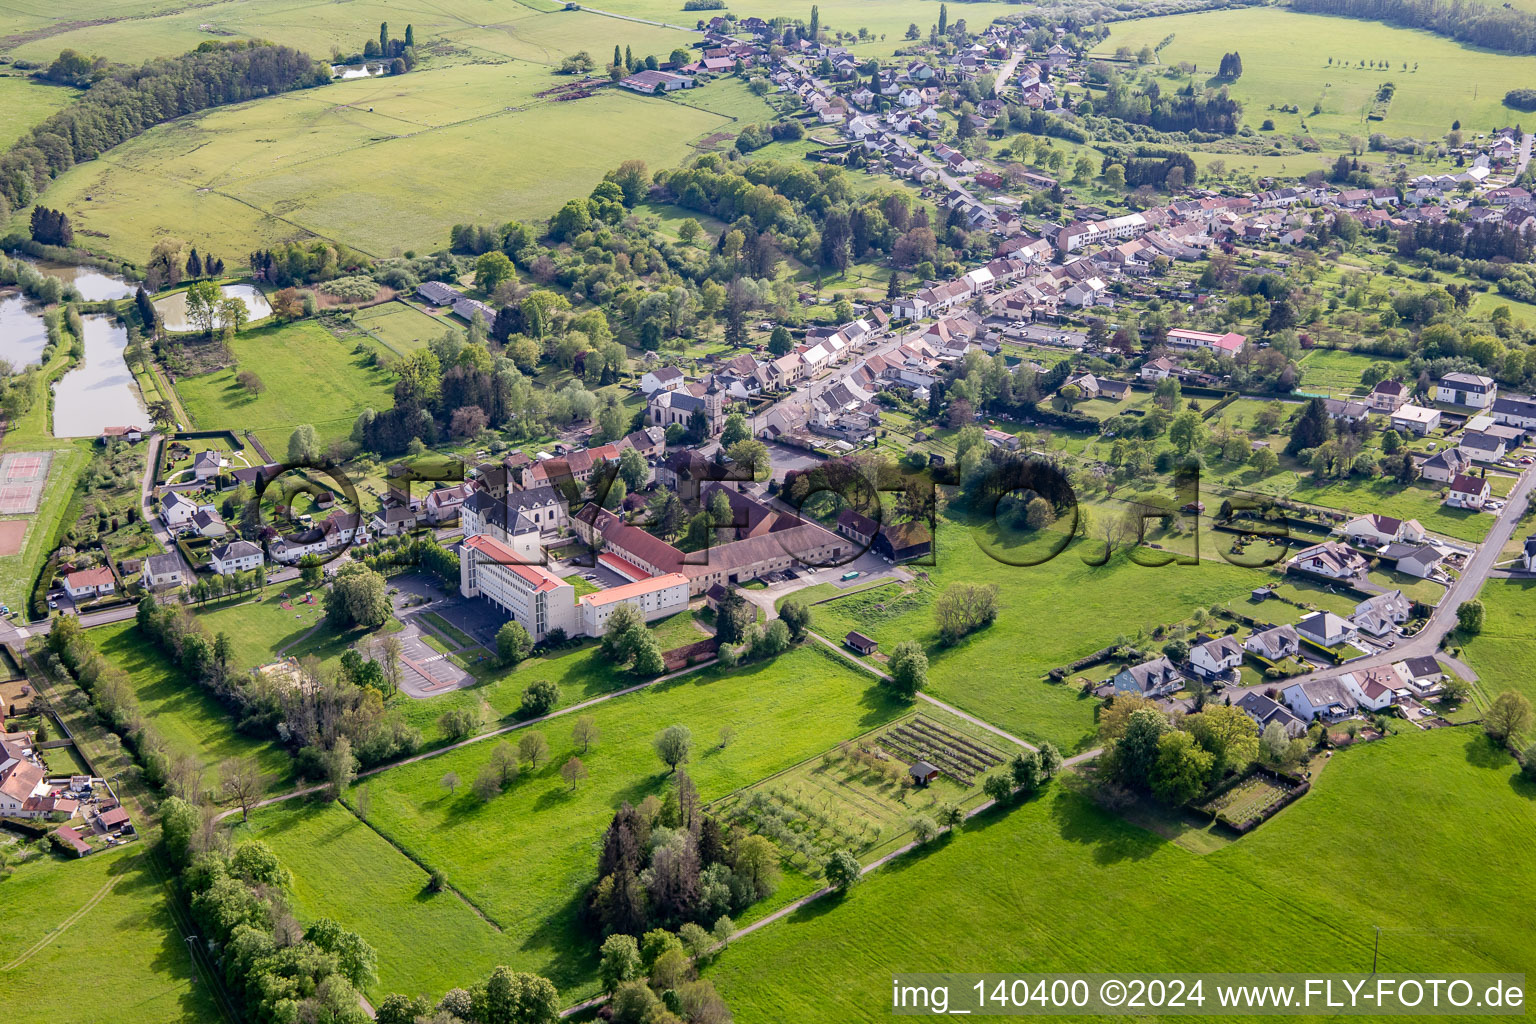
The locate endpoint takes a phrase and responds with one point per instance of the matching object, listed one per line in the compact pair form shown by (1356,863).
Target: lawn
(1419,500)
(24,103)
(309,377)
(190,721)
(1050,885)
(1050,614)
(126,943)
(399,326)
(1504,654)
(1296,59)
(1337,371)
(783,712)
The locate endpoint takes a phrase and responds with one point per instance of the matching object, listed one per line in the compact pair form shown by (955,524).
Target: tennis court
(22,478)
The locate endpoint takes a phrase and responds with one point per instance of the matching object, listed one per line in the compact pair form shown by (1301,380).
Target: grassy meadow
(71,907)
(1503,654)
(190,721)
(783,712)
(1286,62)
(1050,885)
(309,376)
(1050,614)
(23,103)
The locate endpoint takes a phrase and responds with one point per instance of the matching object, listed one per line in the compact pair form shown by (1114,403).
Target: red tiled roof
(541,578)
(636,589)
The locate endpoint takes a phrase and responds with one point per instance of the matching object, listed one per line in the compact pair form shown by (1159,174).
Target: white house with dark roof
(1275,644)
(1216,657)
(1514,411)
(1264,711)
(176,510)
(1376,530)
(1325,628)
(1422,674)
(1466,389)
(1319,698)
(206,465)
(236,556)
(1482,445)
(1467,492)
(1331,558)
(163,570)
(1379,614)
(1421,560)
(1445,465)
(664,378)
(1388,396)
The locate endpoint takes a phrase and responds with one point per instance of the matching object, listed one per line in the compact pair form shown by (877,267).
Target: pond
(22,334)
(100,392)
(345,71)
(173,308)
(92,284)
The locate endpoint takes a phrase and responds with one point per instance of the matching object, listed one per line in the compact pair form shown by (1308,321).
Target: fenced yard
(1252,800)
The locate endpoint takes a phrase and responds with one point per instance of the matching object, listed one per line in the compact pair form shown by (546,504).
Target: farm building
(861,643)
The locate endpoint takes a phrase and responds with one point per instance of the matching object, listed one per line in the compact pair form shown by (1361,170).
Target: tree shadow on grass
(1079,820)
(1483,752)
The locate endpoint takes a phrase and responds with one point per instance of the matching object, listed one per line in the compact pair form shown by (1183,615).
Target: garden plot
(1250,801)
(860,795)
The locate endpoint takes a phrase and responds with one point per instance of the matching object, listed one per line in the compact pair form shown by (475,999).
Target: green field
(309,377)
(190,721)
(399,326)
(23,103)
(1285,61)
(998,673)
(783,712)
(104,918)
(1337,371)
(1504,654)
(1051,885)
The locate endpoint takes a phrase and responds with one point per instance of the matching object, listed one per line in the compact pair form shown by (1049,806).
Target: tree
(908,668)
(487,784)
(248,381)
(533,748)
(1311,429)
(964,608)
(1024,770)
(458,723)
(1039,514)
(491,270)
(1187,431)
(796,614)
(513,643)
(673,744)
(1264,462)
(1050,760)
(304,446)
(512,997)
(357,598)
(689,231)
(633,469)
(242,781)
(585,732)
(573,771)
(340,766)
(842,870)
(1507,718)
(751,454)
(1136,751)
(1181,769)
(998,787)
(540,698)
(923,828)
(734,430)
(450,782)
(1469,617)
(1226,733)
(1114,177)
(620,961)
(757,863)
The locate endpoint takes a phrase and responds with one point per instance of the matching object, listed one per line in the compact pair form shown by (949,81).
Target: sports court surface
(22,478)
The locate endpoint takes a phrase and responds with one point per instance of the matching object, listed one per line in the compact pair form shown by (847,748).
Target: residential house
(1379,614)
(442,503)
(1325,629)
(1481,445)
(1416,419)
(1373,688)
(176,510)
(208,523)
(1319,698)
(1445,465)
(1216,657)
(392,521)
(1264,711)
(1348,410)
(1514,411)
(206,465)
(1229,343)
(1156,369)
(1467,492)
(665,378)
(1376,530)
(1421,560)
(163,570)
(236,556)
(89,583)
(1331,558)
(1388,396)
(1275,644)
(1423,674)
(1156,678)
(1466,389)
